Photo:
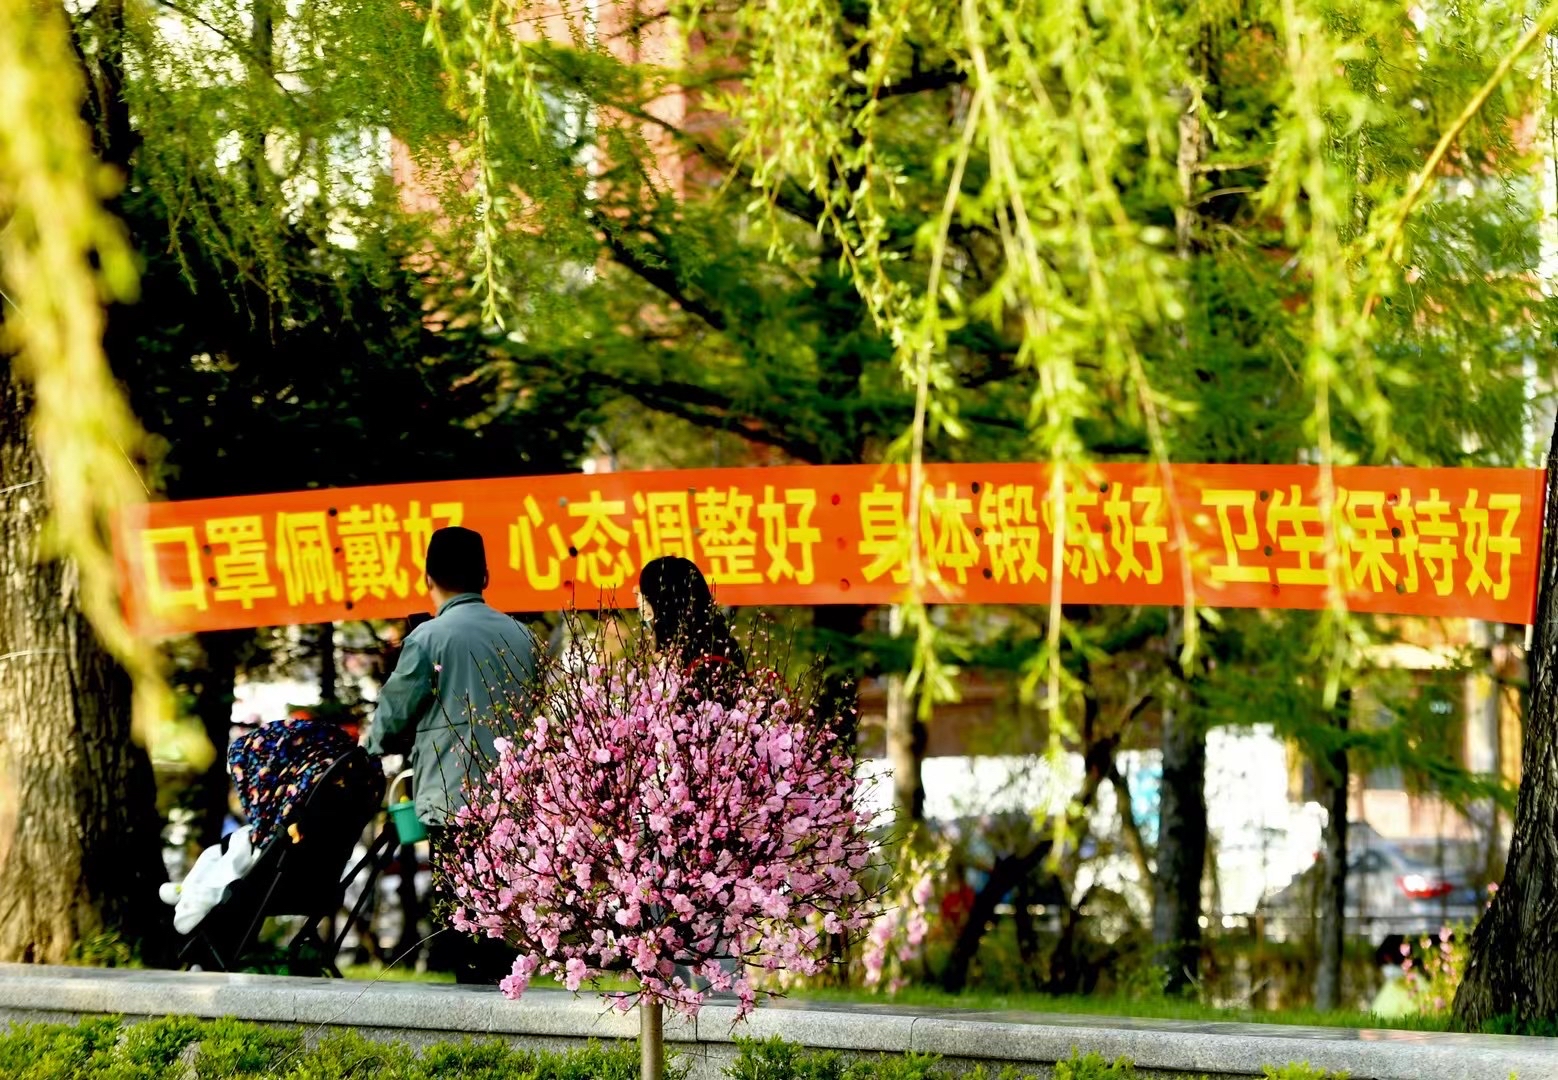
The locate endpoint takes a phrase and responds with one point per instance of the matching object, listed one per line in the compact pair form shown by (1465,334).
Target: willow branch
(1392,235)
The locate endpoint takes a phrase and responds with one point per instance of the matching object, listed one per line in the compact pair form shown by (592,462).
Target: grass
(987,1001)
(379,973)
(1140,1008)
(176,1047)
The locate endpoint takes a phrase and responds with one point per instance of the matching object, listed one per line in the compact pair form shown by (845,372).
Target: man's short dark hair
(457,560)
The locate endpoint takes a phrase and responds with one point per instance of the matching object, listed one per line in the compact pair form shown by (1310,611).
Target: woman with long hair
(675,602)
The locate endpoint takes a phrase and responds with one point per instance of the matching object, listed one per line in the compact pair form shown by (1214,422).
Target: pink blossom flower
(696,830)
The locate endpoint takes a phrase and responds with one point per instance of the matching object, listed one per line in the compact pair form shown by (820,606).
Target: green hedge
(180,1048)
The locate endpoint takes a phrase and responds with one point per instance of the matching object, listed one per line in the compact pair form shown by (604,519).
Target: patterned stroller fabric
(274,766)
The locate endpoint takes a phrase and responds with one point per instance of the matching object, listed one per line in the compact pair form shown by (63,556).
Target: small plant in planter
(644,821)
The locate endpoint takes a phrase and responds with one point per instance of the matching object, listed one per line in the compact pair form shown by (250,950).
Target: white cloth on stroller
(218,867)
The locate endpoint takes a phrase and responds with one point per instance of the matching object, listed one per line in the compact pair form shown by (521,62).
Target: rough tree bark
(907,736)
(1513,969)
(1333,881)
(1181,855)
(1176,901)
(80,839)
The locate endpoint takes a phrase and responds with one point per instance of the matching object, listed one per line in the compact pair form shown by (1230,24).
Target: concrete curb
(556,1019)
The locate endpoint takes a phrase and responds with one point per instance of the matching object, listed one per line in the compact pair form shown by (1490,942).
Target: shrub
(1433,970)
(232,1050)
(775,1059)
(57,1052)
(106,950)
(1094,1067)
(104,1049)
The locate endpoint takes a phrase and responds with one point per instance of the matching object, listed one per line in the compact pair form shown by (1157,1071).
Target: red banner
(1449,542)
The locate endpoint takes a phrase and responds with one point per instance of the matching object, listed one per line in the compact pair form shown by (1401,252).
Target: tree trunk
(80,839)
(906,740)
(325,644)
(651,1040)
(1010,870)
(1513,970)
(1333,880)
(214,706)
(1005,875)
(1134,842)
(1027,929)
(1176,908)
(837,627)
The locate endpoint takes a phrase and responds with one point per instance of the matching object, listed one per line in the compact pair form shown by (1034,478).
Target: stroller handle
(390,795)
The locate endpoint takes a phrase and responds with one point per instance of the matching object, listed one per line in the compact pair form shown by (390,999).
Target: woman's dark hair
(685,618)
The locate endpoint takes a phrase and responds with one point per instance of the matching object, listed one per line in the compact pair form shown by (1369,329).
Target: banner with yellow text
(1449,542)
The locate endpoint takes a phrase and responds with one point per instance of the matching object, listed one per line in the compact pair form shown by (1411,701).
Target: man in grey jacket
(453,672)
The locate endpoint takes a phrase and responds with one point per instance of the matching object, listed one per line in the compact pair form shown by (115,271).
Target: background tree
(1511,977)
(719,832)
(1225,241)
(76,859)
(277,280)
(941,220)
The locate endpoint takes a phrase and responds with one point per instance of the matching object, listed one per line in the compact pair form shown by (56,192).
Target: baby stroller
(298,869)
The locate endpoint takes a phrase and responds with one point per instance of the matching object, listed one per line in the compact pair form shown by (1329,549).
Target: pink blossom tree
(640,821)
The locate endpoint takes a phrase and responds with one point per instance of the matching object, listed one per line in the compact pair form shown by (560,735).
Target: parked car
(1388,893)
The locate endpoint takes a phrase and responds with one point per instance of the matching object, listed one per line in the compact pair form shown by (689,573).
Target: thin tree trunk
(1333,882)
(214,707)
(1135,843)
(325,645)
(1513,969)
(906,741)
(651,1040)
(1027,930)
(1176,908)
(838,626)
(80,839)
(1010,870)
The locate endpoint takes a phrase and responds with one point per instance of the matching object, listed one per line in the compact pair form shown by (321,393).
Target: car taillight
(1419,887)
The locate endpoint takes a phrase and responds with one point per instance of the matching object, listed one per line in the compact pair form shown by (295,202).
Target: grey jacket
(453,669)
